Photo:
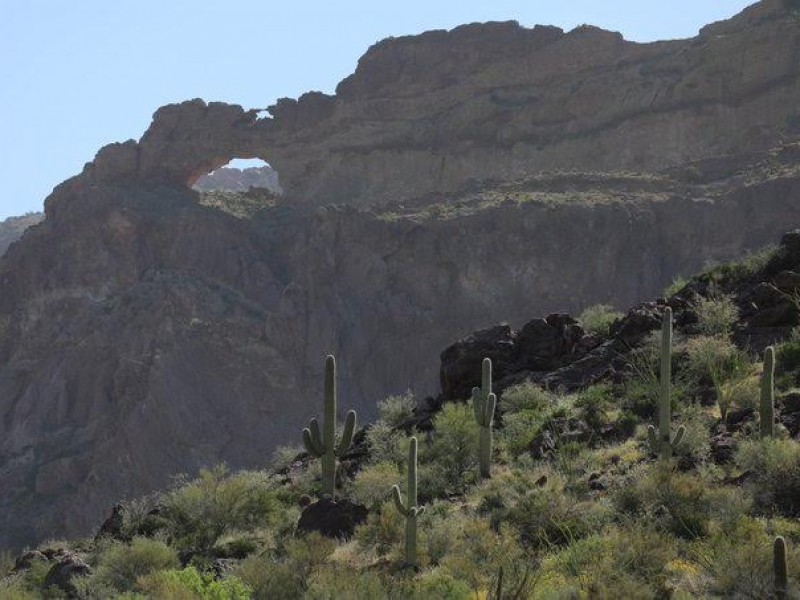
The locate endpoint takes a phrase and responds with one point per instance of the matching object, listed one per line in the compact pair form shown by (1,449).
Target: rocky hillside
(147,329)
(574,499)
(12,228)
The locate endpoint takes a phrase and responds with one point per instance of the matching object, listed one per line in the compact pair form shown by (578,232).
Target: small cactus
(324,445)
(484,403)
(662,442)
(410,510)
(780,568)
(766,409)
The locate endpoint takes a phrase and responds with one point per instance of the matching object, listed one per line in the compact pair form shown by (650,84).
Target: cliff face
(146,329)
(429,113)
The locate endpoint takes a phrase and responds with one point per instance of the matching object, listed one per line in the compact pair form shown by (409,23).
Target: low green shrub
(774,465)
(599,318)
(190,584)
(716,316)
(216,503)
(394,410)
(119,566)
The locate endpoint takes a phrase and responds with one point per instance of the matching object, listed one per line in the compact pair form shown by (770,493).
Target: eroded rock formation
(146,330)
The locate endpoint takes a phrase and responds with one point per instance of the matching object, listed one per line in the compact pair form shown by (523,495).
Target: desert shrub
(383,530)
(729,273)
(716,316)
(453,448)
(439,529)
(526,396)
(479,551)
(738,563)
(676,286)
(727,368)
(594,404)
(787,360)
(120,565)
(547,516)
(372,485)
(695,446)
(643,388)
(202,510)
(285,574)
(437,583)
(681,504)
(518,431)
(393,410)
(284,457)
(386,445)
(775,467)
(598,319)
(190,584)
(335,582)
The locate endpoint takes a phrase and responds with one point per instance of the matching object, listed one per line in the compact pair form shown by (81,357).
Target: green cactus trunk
(484,403)
(767,404)
(780,568)
(662,442)
(409,509)
(665,374)
(323,445)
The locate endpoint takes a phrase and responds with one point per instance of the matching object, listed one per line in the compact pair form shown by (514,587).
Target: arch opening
(239,175)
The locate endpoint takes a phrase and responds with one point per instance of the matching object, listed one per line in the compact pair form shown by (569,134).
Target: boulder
(334,519)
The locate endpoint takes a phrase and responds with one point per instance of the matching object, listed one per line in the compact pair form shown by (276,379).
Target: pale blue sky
(75,75)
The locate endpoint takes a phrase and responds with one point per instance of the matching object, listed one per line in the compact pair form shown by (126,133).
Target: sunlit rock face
(455,180)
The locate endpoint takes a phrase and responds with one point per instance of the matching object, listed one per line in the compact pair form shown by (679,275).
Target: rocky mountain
(12,228)
(483,174)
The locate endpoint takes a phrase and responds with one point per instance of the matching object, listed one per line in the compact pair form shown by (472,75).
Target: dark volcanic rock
(335,519)
(62,574)
(461,362)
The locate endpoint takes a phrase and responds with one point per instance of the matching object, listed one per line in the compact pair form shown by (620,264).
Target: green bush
(598,319)
(190,584)
(372,485)
(336,582)
(396,409)
(716,316)
(775,467)
(119,566)
(526,396)
(383,530)
(453,450)
(216,503)
(386,445)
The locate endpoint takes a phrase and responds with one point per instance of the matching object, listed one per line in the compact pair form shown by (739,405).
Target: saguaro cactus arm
(347,434)
(313,440)
(780,568)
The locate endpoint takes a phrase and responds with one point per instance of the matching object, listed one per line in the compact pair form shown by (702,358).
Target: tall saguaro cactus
(324,445)
(766,410)
(410,510)
(662,442)
(484,403)
(780,569)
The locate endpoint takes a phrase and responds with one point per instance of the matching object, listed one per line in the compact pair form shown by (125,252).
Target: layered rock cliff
(147,329)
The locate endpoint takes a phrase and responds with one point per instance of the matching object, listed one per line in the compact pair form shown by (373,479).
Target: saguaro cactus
(662,442)
(767,406)
(484,403)
(324,445)
(410,510)
(780,568)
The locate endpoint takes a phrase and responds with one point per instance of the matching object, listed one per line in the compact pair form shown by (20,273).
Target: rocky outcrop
(430,113)
(12,228)
(146,330)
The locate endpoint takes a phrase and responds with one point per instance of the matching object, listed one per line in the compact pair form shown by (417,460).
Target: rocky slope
(239,180)
(12,228)
(146,329)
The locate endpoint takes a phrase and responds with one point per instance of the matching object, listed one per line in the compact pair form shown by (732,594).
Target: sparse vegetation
(576,506)
(598,319)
